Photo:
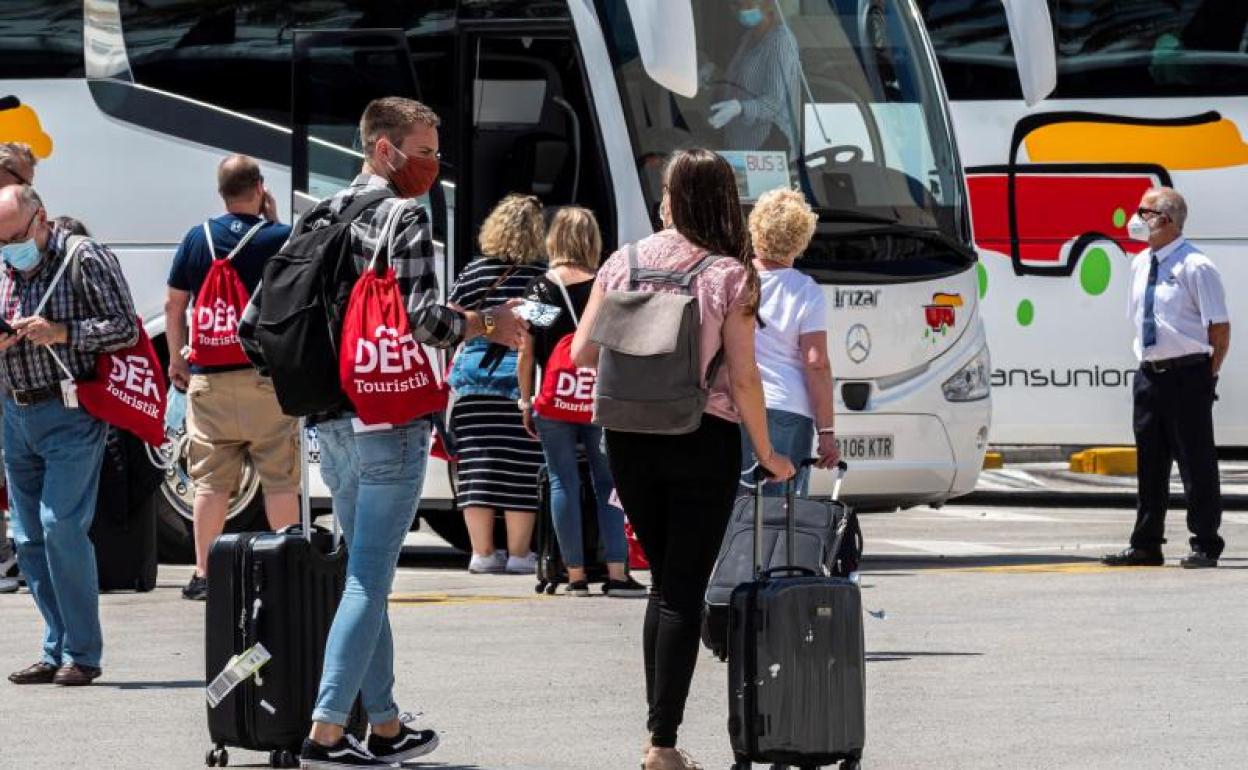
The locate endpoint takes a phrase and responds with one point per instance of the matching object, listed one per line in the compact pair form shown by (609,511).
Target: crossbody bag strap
(72,245)
(498,282)
(554,278)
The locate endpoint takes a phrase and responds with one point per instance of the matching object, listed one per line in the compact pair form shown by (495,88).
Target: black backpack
(301,300)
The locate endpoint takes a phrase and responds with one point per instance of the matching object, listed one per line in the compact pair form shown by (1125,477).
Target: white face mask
(1138,229)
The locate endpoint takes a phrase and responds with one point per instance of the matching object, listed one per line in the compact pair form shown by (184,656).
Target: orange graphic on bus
(20,123)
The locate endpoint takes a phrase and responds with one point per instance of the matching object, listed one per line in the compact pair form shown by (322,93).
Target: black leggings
(678,492)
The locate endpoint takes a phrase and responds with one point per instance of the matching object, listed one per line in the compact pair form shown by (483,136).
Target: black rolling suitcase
(123,530)
(551,571)
(280,590)
(815,541)
(796,664)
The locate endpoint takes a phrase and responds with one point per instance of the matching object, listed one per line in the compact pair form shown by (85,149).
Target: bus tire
(173,500)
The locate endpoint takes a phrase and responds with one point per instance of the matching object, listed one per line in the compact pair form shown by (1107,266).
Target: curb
(1049,499)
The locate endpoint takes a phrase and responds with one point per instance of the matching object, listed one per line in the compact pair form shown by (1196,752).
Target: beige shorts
(233,415)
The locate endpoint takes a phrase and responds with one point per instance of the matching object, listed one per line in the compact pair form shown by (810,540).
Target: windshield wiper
(921,233)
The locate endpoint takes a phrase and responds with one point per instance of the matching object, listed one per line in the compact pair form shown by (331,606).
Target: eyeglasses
(21,235)
(1142,211)
(20,179)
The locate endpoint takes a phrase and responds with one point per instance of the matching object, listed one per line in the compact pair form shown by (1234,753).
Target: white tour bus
(1148,92)
(130,105)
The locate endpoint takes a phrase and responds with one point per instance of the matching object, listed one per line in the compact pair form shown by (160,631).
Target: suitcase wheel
(217,757)
(851,764)
(283,758)
(550,589)
(540,587)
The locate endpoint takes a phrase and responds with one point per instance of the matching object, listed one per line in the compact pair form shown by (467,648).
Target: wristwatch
(826,431)
(487,320)
(524,404)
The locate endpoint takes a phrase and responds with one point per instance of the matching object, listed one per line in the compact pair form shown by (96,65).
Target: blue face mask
(750,17)
(21,256)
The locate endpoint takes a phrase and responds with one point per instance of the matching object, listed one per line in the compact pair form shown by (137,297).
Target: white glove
(723,113)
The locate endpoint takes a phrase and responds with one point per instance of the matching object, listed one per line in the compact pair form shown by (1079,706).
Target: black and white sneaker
(346,754)
(408,744)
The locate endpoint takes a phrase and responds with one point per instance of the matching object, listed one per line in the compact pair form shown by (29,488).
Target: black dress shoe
(76,675)
(1134,557)
(39,673)
(1198,560)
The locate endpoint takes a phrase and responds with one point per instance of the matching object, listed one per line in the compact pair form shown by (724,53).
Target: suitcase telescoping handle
(305,496)
(790,525)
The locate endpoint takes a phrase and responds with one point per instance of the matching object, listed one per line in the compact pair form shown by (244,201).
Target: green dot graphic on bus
(1095,271)
(1026,313)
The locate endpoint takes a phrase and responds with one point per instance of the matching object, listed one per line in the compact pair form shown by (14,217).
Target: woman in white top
(791,345)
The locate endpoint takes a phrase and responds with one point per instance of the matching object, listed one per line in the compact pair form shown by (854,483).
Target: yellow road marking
(1069,568)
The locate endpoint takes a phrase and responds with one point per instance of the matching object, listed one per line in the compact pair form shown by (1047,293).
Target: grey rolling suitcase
(814,547)
(796,662)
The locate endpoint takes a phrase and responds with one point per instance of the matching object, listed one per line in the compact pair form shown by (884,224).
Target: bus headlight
(971,383)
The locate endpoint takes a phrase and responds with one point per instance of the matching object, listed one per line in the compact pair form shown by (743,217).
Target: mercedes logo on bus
(858,343)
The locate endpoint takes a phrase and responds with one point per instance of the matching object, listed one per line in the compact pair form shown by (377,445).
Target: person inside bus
(757,101)
(679,489)
(498,459)
(232,413)
(375,476)
(791,344)
(53,448)
(1182,334)
(574,245)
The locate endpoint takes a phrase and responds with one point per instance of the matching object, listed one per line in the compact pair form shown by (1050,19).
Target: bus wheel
(173,500)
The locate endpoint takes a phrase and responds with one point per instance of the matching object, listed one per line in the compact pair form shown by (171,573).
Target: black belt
(35,395)
(1182,362)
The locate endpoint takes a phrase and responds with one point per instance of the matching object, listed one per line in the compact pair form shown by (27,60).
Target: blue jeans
(559,443)
(52,455)
(792,435)
(375,479)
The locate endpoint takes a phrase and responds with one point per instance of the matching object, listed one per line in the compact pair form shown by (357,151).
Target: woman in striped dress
(498,460)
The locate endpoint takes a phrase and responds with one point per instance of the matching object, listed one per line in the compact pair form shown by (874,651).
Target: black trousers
(1174,422)
(678,492)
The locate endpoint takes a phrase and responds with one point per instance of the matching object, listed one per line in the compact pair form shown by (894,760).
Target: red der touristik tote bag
(567,392)
(129,388)
(218,307)
(384,371)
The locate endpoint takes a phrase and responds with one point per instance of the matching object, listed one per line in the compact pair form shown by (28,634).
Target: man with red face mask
(375,476)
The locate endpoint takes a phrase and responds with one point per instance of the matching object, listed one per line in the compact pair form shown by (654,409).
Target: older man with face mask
(52,448)
(1183,332)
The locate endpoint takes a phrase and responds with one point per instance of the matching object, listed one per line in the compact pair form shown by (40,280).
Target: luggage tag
(69,393)
(238,670)
(359,426)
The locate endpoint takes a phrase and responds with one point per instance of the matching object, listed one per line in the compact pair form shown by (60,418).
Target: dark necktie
(1149,336)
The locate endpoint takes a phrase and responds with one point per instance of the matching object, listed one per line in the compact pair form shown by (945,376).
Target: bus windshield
(835,98)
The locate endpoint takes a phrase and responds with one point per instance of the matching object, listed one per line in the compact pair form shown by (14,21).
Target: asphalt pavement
(994,640)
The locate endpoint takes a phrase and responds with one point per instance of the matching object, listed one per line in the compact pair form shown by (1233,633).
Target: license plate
(865,447)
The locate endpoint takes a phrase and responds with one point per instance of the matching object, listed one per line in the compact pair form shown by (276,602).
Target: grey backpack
(650,375)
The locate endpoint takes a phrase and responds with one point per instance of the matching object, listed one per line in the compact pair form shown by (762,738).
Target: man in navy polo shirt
(232,412)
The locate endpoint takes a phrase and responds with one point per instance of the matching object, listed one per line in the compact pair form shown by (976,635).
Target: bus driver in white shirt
(1182,334)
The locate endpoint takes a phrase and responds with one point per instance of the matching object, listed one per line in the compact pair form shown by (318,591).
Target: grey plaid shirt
(100,320)
(433,324)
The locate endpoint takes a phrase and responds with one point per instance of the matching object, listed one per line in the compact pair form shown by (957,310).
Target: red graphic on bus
(1058,213)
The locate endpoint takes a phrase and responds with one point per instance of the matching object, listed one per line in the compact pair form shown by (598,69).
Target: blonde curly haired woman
(791,346)
(498,460)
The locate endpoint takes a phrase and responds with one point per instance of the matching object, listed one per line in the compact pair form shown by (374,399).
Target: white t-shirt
(791,305)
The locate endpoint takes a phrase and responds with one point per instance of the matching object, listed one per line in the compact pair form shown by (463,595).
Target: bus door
(530,125)
(335,74)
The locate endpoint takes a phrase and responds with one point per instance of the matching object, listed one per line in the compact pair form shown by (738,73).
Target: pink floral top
(718,288)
